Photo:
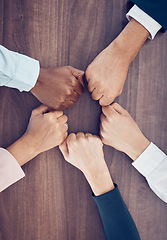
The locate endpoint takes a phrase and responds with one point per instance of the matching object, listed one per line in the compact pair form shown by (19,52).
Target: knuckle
(104,140)
(102,137)
(104,126)
(88,71)
(108,97)
(72,143)
(56,106)
(119,92)
(51,118)
(34,112)
(100,90)
(65,118)
(73,81)
(68,67)
(114,104)
(81,139)
(68,91)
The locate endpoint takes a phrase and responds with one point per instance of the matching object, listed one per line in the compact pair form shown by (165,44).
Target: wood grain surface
(54,201)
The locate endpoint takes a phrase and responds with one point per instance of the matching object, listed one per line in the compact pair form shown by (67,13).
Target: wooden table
(54,201)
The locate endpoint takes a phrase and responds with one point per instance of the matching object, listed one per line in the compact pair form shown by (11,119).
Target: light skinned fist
(46,130)
(119,130)
(59,87)
(106,74)
(85,152)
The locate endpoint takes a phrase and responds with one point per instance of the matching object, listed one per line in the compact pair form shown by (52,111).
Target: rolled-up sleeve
(152,164)
(17,70)
(10,170)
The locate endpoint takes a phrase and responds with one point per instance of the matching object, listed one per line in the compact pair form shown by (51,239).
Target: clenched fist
(107,73)
(45,130)
(119,130)
(85,151)
(59,87)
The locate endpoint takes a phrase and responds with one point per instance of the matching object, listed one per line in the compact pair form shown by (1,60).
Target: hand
(119,130)
(85,152)
(60,87)
(107,73)
(45,130)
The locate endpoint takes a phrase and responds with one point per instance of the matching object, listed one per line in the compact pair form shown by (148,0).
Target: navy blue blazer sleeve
(157,9)
(117,221)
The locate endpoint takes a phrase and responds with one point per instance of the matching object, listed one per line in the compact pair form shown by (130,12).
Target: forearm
(131,39)
(17,70)
(139,146)
(22,151)
(117,221)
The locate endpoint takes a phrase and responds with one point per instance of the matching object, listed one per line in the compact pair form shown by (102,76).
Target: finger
(78,87)
(80,135)
(70,104)
(91,86)
(118,108)
(105,101)
(96,94)
(63,119)
(64,149)
(40,110)
(81,79)
(95,137)
(76,72)
(56,114)
(102,118)
(74,97)
(79,75)
(108,111)
(87,135)
(63,137)
(71,138)
(66,125)
(101,130)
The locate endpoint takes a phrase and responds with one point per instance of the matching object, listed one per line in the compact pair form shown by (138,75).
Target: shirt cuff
(10,170)
(106,197)
(26,74)
(144,19)
(149,160)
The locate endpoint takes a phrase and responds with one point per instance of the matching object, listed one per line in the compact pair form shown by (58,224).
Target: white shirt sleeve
(17,70)
(152,164)
(10,170)
(144,19)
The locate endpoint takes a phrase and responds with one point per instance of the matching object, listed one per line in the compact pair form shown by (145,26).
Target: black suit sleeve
(117,221)
(157,9)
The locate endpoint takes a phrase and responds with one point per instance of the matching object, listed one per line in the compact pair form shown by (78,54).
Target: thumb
(64,149)
(40,110)
(79,74)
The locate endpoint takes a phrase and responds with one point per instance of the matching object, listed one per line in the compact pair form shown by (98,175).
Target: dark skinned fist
(59,87)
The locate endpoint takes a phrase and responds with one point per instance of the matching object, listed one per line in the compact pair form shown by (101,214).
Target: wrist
(121,49)
(100,181)
(22,151)
(138,148)
(131,39)
(40,77)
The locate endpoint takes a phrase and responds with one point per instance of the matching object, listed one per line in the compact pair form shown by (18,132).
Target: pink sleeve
(10,170)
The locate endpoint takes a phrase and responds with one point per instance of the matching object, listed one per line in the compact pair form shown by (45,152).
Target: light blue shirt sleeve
(17,70)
